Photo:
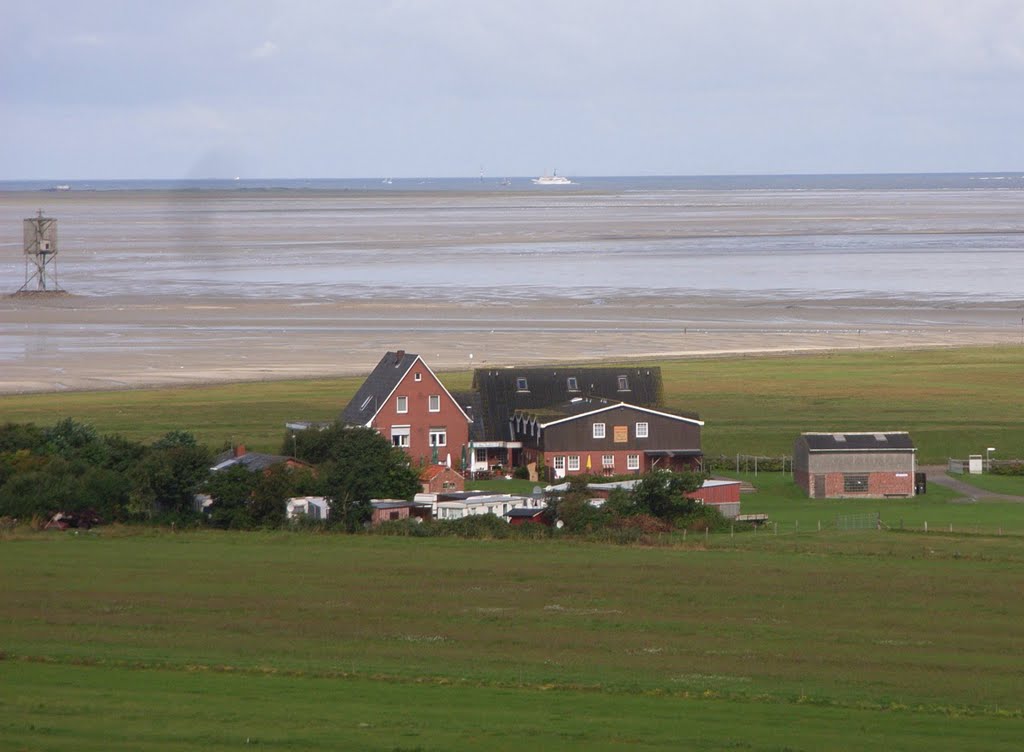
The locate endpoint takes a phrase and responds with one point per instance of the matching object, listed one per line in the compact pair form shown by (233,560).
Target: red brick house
(441,479)
(406,403)
(598,437)
(855,465)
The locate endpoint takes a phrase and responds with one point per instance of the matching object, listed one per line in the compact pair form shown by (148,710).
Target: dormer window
(521,384)
(623,384)
(572,384)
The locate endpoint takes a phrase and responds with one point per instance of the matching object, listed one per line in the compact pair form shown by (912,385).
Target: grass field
(150,640)
(1000,484)
(779,497)
(954,402)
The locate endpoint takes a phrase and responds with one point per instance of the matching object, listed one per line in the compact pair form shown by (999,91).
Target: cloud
(265,50)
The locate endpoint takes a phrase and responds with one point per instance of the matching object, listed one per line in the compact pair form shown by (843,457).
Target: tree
(21,436)
(168,479)
(356,464)
(574,509)
(663,494)
(269,502)
(230,490)
(71,439)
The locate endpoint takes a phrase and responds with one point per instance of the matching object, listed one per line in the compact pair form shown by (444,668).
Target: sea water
(954,237)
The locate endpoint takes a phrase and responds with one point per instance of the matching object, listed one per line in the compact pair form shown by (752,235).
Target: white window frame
(643,430)
(559,462)
(403,434)
(401,405)
(608,461)
(417,377)
(438,437)
(623,383)
(599,431)
(632,461)
(434,403)
(574,462)
(572,384)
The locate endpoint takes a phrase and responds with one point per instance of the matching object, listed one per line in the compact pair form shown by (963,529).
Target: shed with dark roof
(859,464)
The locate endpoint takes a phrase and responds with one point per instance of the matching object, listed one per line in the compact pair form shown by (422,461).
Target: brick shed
(855,465)
(723,495)
(441,479)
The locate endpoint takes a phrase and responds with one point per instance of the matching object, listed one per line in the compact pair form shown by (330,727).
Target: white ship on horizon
(553,179)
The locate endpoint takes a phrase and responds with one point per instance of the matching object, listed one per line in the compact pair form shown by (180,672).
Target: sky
(91,89)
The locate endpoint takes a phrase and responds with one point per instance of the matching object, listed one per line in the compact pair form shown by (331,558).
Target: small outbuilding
(855,465)
(388,510)
(441,479)
(525,515)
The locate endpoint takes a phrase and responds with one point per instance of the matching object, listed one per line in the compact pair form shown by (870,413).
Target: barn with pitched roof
(855,464)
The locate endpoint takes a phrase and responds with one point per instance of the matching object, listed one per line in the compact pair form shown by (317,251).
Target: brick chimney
(398,356)
(240,450)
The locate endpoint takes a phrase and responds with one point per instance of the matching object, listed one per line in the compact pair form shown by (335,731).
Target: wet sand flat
(185,288)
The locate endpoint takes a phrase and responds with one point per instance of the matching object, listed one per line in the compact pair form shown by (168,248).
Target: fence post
(797,526)
(684,535)
(819,526)
(926,526)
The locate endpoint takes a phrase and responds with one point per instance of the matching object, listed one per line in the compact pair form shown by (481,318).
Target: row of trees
(69,467)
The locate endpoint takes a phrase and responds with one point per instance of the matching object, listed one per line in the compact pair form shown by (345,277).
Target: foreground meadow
(954,402)
(152,640)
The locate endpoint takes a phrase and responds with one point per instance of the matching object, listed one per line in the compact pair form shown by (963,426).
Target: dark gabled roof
(472,406)
(397,504)
(858,441)
(585,406)
(377,387)
(501,396)
(252,461)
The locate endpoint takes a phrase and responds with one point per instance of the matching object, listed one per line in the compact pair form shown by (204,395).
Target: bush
(642,523)
(1008,468)
(521,473)
(704,518)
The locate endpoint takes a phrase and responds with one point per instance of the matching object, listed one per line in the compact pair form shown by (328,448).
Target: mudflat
(177,288)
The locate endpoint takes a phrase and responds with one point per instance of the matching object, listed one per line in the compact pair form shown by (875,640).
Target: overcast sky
(258,88)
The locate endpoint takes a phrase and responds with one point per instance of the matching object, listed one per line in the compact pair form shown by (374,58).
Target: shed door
(819,486)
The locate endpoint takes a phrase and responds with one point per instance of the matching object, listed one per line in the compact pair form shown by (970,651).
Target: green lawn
(954,402)
(779,497)
(141,639)
(1012,485)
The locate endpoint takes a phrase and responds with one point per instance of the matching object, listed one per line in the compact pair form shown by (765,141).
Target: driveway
(938,474)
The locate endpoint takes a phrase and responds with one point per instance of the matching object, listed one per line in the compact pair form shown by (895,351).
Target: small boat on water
(553,179)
